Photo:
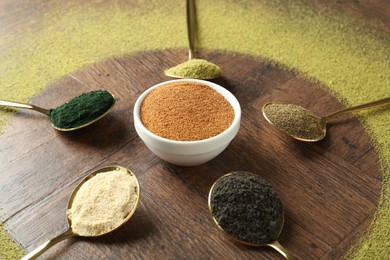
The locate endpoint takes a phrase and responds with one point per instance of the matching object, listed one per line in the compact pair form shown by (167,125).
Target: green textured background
(351,58)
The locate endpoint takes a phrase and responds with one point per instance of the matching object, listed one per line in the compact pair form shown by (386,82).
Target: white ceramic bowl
(188,153)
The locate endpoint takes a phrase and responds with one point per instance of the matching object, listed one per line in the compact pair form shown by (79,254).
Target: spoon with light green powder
(79,112)
(193,68)
(101,203)
(301,123)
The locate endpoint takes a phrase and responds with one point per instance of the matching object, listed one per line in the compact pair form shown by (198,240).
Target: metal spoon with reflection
(193,68)
(69,232)
(301,123)
(247,210)
(96,116)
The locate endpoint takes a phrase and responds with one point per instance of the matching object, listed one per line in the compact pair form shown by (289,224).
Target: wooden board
(329,189)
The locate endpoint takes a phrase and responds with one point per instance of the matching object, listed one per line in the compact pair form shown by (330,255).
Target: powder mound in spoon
(81,110)
(247,207)
(294,120)
(195,69)
(103,202)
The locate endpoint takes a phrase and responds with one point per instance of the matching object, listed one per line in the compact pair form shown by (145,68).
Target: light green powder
(9,250)
(195,69)
(351,59)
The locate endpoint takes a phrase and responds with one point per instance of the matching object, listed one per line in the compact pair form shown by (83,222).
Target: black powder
(246,206)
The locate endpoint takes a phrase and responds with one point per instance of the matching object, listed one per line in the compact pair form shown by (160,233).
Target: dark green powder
(81,110)
(247,207)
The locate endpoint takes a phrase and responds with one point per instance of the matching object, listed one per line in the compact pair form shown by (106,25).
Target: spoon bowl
(193,68)
(48,112)
(234,195)
(302,124)
(69,232)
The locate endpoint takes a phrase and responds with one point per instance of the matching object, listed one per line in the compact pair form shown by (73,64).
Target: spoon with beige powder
(101,203)
(302,124)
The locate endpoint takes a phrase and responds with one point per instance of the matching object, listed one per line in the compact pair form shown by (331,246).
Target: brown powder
(186,111)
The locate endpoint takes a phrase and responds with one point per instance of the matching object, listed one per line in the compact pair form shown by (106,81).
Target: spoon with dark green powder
(79,112)
(193,68)
(247,209)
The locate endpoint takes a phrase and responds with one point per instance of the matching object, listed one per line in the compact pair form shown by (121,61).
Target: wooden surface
(329,189)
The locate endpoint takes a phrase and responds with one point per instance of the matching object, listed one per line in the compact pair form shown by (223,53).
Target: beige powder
(103,202)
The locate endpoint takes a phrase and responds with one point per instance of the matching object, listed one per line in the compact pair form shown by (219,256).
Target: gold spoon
(302,124)
(6,103)
(69,233)
(193,68)
(276,229)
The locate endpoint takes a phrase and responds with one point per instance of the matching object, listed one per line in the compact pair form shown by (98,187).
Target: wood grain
(329,189)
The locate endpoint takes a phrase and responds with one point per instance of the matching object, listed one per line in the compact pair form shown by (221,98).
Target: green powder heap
(195,69)
(81,110)
(9,249)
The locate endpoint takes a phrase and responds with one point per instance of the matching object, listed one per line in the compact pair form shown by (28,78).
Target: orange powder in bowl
(186,111)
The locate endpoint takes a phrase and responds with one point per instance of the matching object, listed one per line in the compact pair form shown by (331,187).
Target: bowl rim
(223,91)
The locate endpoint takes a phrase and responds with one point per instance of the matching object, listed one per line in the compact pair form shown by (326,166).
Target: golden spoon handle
(282,250)
(380,102)
(190,9)
(22,105)
(42,248)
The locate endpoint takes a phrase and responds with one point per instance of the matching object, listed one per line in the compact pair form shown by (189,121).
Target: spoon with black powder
(79,112)
(246,208)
